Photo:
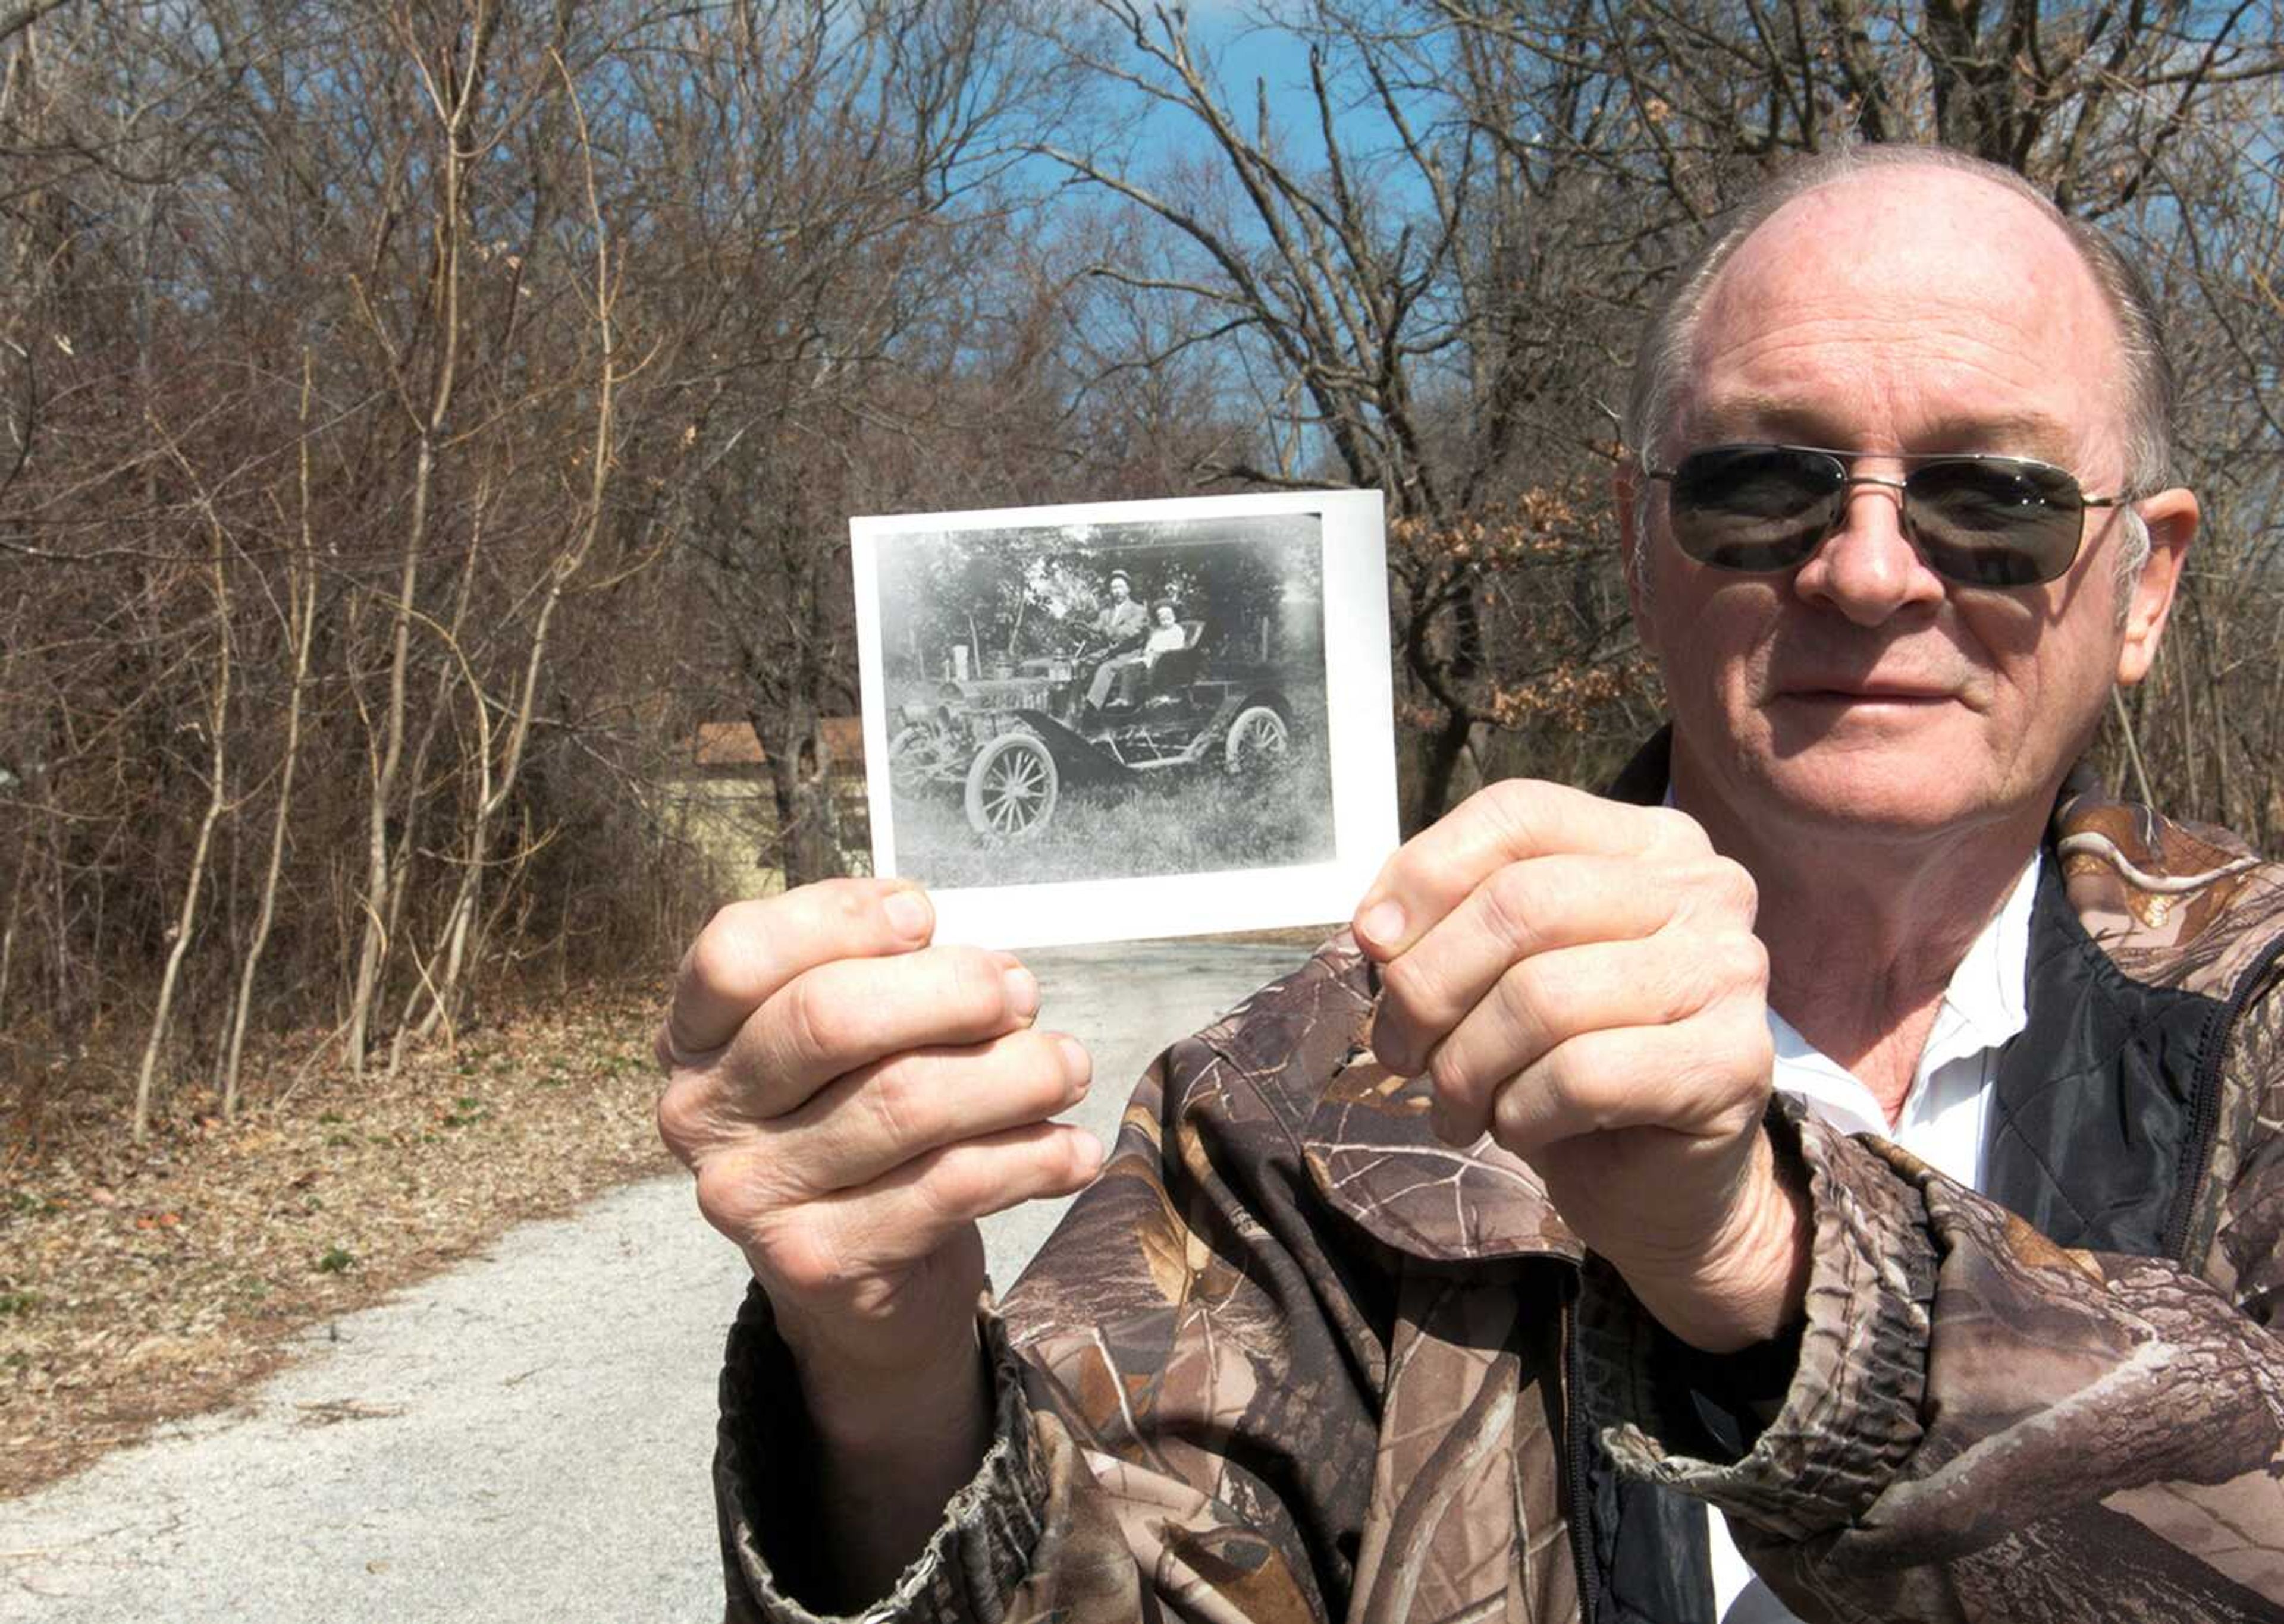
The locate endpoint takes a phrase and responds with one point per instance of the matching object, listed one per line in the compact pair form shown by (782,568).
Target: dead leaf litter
(144,1284)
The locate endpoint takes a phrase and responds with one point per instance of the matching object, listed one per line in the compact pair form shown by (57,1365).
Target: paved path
(525,1437)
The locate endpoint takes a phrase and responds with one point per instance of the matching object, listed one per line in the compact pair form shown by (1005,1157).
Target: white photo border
(1360,715)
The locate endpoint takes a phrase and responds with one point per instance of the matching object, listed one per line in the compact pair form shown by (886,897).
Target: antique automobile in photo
(1012,742)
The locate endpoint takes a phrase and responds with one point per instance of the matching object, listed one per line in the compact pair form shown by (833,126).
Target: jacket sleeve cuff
(762,1462)
(1849,1416)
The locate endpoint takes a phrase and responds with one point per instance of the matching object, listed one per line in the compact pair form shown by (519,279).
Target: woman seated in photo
(1125,672)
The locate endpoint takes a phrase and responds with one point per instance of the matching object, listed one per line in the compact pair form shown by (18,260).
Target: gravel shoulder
(526,1435)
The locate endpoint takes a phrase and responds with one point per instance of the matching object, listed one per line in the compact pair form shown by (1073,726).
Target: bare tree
(1433,260)
(496,785)
(218,796)
(831,166)
(302,601)
(451,74)
(1364,255)
(519,369)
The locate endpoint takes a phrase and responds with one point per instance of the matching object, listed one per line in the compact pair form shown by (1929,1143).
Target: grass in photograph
(1181,821)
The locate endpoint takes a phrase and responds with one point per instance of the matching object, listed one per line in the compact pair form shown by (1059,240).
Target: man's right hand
(852,1099)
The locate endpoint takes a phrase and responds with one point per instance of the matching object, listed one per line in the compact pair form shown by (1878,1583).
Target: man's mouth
(1854,691)
(1869,696)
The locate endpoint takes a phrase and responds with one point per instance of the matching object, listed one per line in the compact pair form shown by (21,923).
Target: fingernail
(1382,924)
(908,913)
(1078,1066)
(1022,991)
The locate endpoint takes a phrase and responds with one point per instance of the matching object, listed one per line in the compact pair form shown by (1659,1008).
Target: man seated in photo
(1835,1172)
(1121,619)
(1119,624)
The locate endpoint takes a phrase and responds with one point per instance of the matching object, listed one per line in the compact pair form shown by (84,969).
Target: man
(1313,1346)
(1121,617)
(1121,622)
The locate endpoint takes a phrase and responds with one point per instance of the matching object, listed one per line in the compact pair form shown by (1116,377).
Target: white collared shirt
(1942,1124)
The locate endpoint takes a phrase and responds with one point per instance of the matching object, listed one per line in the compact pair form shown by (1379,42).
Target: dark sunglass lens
(1993,523)
(1754,507)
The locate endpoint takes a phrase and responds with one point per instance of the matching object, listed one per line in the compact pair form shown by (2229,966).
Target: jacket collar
(2176,904)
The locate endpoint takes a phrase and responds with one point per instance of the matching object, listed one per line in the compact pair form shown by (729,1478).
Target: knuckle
(1757,1050)
(1588,1082)
(816,1026)
(1742,962)
(1674,830)
(1514,809)
(1511,901)
(955,1187)
(978,986)
(1724,1072)
(1742,1030)
(1519,1115)
(683,1122)
(1744,893)
(730,1197)
(900,1103)
(803,1252)
(850,899)
(1451,1075)
(1721,886)
(1408,986)
(717,960)
(1522,999)
(1698,974)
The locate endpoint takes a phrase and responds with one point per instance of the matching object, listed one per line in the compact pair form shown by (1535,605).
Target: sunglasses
(1979,520)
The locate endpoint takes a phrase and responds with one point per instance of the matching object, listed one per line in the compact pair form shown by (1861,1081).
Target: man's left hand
(1580,978)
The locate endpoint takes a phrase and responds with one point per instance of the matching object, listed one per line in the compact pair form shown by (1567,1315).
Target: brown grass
(142,1286)
(138,1287)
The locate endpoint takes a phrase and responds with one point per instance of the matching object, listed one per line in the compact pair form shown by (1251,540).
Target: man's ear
(2171,516)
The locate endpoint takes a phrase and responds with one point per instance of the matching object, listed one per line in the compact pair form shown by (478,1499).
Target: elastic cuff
(762,1458)
(1852,1414)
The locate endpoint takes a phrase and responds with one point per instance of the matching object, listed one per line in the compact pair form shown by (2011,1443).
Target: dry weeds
(139,1287)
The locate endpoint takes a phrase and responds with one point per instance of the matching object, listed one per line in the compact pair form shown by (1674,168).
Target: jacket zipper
(2204,1107)
(1577,1467)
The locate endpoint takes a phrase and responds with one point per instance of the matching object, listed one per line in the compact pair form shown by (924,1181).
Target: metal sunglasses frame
(1845,461)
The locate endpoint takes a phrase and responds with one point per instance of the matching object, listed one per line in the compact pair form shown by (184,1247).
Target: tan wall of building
(733,820)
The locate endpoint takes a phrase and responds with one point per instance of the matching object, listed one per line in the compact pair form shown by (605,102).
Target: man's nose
(1867,569)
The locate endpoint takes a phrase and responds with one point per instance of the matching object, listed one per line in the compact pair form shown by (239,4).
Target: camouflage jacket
(1293,1358)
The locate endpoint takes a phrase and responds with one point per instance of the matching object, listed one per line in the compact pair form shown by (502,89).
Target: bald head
(1919,231)
(1947,288)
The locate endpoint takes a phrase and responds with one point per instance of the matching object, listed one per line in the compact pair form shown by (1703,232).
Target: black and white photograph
(1083,722)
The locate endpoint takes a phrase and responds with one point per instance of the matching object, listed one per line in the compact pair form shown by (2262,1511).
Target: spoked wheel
(1012,786)
(912,756)
(1257,738)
